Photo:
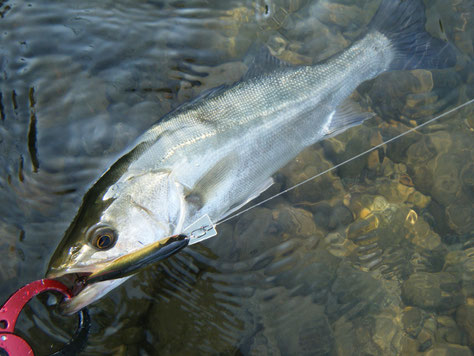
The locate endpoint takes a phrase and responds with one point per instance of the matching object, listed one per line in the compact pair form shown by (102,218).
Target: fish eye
(103,238)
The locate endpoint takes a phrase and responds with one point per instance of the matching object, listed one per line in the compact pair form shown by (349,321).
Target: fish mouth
(83,293)
(76,281)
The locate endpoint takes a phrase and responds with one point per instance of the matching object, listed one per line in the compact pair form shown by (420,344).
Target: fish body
(219,151)
(214,154)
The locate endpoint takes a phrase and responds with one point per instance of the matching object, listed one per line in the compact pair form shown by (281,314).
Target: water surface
(376,257)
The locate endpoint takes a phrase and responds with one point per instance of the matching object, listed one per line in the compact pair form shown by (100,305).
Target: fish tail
(403,23)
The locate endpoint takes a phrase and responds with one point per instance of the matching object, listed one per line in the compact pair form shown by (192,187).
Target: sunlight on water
(376,257)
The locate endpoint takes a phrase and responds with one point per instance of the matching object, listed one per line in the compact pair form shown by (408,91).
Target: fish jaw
(83,294)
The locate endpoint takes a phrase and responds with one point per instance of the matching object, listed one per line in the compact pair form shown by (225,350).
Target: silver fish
(213,155)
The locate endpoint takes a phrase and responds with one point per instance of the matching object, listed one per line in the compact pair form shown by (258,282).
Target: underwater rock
(467,176)
(426,337)
(459,216)
(447,182)
(356,291)
(394,191)
(461,264)
(347,145)
(311,272)
(11,250)
(448,330)
(340,216)
(379,334)
(385,332)
(122,313)
(262,345)
(432,291)
(456,13)
(318,40)
(378,234)
(465,319)
(252,233)
(306,331)
(362,226)
(321,212)
(261,231)
(409,95)
(420,233)
(441,167)
(448,350)
(294,221)
(399,332)
(412,320)
(397,151)
(175,325)
(329,216)
(294,325)
(351,339)
(338,245)
(340,14)
(133,335)
(419,200)
(470,122)
(315,40)
(225,245)
(385,233)
(418,156)
(306,165)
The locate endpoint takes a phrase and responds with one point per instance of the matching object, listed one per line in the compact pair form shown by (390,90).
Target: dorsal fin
(206,94)
(262,62)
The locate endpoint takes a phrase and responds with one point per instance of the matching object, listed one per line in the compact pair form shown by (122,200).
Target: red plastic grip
(11,343)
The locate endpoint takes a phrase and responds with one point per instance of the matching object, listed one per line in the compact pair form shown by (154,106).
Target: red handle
(15,345)
(11,309)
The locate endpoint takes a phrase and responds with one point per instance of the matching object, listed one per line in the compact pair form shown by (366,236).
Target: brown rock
(449,350)
(465,319)
(432,291)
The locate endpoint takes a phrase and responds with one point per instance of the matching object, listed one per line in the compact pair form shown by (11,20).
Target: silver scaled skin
(214,154)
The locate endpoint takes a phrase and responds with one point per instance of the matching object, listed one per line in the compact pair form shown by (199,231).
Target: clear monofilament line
(347,161)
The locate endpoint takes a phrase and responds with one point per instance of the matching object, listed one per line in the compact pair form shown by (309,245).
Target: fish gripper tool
(12,344)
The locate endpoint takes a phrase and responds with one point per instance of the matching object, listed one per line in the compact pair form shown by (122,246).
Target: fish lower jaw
(75,281)
(83,294)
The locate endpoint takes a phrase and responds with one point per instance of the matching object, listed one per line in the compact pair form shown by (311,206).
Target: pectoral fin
(221,176)
(207,185)
(346,115)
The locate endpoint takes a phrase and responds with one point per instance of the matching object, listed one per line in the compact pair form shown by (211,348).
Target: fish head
(114,220)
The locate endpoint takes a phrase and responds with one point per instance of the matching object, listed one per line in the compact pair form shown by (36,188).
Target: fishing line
(346,161)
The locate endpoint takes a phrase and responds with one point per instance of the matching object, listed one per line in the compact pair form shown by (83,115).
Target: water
(376,257)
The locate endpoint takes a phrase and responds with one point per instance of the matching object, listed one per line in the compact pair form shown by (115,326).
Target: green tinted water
(374,258)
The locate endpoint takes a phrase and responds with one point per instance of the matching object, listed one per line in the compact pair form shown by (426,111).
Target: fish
(214,154)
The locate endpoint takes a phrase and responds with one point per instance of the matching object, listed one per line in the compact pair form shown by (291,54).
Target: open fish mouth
(76,282)
(82,292)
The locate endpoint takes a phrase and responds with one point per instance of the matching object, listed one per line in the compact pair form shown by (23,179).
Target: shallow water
(374,258)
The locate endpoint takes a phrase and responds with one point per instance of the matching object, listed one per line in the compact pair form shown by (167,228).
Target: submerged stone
(306,165)
(432,291)
(420,233)
(449,350)
(461,264)
(465,319)
(412,320)
(448,330)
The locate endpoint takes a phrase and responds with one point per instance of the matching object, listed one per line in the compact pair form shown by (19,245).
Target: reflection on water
(374,258)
